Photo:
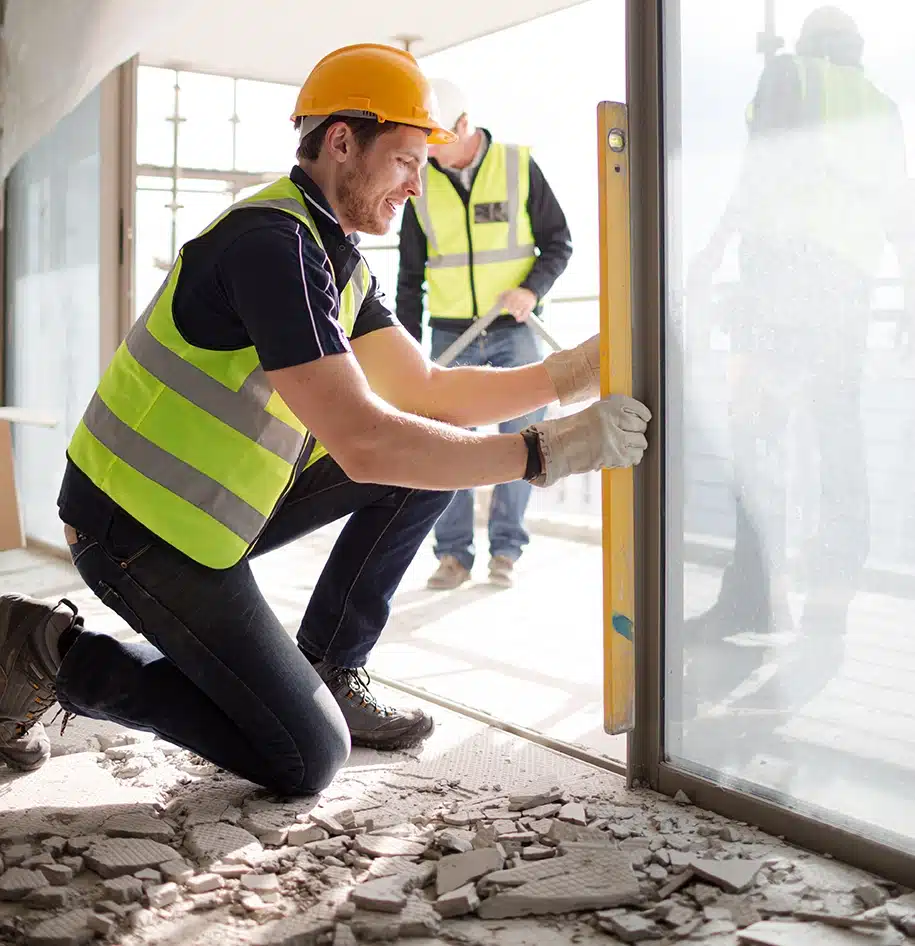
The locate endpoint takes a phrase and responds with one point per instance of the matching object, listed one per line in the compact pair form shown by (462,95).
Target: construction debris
(444,864)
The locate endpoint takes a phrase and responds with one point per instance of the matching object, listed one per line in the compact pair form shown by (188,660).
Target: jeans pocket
(126,540)
(83,544)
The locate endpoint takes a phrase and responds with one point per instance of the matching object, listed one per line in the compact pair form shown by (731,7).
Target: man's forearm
(474,397)
(405,450)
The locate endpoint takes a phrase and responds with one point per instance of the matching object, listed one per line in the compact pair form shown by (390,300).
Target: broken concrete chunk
(734,875)
(628,927)
(54,846)
(485,837)
(544,796)
(220,841)
(332,847)
(329,823)
(204,883)
(36,860)
(15,854)
(870,895)
(17,882)
(457,819)
(682,798)
(458,902)
(561,832)
(103,925)
(149,876)
(374,845)
(787,933)
(574,813)
(456,870)
(57,875)
(386,895)
(163,895)
(676,883)
(343,936)
(123,889)
(76,864)
(116,856)
(585,877)
(68,929)
(455,841)
(49,898)
(178,871)
(261,883)
(418,918)
(537,852)
(300,834)
(138,825)
(543,811)
(230,871)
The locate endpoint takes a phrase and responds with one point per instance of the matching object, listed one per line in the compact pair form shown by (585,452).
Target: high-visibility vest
(829,176)
(476,251)
(196,444)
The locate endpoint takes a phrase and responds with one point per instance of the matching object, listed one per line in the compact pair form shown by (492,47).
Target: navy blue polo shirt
(257,278)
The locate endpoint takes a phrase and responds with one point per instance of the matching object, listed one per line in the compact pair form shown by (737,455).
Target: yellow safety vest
(849,153)
(478,250)
(193,443)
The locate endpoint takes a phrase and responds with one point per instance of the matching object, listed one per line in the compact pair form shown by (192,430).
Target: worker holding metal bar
(267,391)
(486,239)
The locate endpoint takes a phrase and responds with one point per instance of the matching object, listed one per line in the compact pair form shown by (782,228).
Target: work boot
(501,569)
(30,633)
(371,723)
(449,574)
(30,751)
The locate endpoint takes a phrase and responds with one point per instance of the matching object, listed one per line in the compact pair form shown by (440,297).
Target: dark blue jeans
(502,346)
(219,674)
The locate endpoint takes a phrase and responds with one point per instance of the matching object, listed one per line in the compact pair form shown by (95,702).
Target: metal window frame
(647,21)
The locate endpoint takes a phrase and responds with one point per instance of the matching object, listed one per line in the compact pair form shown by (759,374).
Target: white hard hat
(452,102)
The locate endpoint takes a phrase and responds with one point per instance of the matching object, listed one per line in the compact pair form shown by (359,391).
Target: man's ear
(461,125)
(338,141)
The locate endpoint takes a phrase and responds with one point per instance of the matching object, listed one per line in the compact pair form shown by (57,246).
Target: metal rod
(478,326)
(531,735)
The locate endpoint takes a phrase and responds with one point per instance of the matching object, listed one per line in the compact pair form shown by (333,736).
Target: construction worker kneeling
(267,391)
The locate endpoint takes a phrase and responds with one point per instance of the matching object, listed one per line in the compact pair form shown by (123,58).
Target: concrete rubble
(199,857)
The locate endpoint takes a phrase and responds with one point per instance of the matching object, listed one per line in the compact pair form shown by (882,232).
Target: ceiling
(284,38)
(53,53)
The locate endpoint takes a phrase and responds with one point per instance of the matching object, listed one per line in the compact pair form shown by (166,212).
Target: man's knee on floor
(324,758)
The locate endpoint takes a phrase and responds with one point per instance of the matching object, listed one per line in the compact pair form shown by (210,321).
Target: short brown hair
(365,131)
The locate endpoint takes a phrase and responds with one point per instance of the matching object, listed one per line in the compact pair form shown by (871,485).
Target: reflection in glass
(782,443)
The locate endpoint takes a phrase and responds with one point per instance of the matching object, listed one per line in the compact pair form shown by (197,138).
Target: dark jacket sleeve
(551,235)
(412,273)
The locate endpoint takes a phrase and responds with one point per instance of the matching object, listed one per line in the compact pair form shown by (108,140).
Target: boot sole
(405,740)
(14,763)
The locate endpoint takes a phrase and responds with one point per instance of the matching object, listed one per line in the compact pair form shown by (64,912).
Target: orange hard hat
(372,81)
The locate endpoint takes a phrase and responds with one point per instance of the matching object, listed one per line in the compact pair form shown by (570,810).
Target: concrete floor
(529,654)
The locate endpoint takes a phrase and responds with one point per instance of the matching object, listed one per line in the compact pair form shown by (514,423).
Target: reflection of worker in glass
(822,181)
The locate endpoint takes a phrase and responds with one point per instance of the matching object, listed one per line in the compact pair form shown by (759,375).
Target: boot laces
(359,681)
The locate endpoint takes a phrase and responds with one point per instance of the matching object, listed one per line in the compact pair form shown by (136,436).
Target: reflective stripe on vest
(194,443)
(492,233)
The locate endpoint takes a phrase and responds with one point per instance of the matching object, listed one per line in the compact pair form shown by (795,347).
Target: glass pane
(198,211)
(154,253)
(207,107)
(155,107)
(266,139)
(791,407)
(53,257)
